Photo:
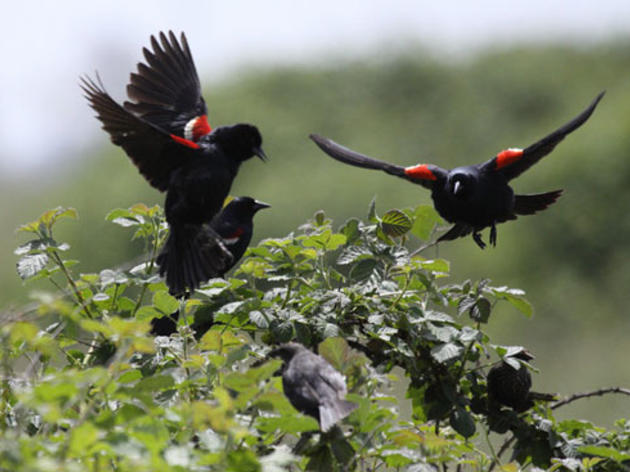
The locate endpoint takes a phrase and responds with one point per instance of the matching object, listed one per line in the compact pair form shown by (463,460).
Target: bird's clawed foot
(478,240)
(493,235)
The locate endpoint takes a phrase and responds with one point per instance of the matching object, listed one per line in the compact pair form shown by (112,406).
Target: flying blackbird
(167,136)
(477,196)
(511,387)
(235,225)
(313,386)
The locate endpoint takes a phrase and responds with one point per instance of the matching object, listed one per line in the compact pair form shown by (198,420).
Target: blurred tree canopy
(413,108)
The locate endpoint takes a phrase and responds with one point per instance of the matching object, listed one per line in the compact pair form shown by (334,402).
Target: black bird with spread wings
(165,132)
(477,196)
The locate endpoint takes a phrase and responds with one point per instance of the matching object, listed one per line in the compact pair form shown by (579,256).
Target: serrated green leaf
(395,223)
(351,230)
(515,297)
(148,312)
(259,319)
(425,218)
(446,352)
(320,460)
(154,383)
(82,438)
(372,211)
(480,311)
(35,245)
(462,422)
(603,451)
(335,350)
(50,217)
(363,269)
(436,265)
(288,424)
(30,265)
(165,303)
(465,303)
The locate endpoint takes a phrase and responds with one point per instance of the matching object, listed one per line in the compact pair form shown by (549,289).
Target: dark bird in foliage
(166,134)
(477,196)
(511,387)
(313,386)
(235,225)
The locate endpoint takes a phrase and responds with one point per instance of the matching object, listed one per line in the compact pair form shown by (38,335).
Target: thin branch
(594,393)
(503,448)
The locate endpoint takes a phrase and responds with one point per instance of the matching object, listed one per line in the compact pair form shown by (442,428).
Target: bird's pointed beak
(260,205)
(260,153)
(457,188)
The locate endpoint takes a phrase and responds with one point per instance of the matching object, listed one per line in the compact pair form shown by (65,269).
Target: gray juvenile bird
(313,386)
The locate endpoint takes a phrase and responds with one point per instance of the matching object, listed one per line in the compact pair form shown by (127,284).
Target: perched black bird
(477,196)
(313,386)
(167,136)
(511,387)
(235,225)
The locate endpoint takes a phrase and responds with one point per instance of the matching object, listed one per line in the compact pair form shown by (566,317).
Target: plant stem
(73,285)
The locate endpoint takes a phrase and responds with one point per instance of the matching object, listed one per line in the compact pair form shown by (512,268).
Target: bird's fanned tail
(459,230)
(331,413)
(530,204)
(191,255)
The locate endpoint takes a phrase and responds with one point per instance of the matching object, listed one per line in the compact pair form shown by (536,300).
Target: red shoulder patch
(184,142)
(237,234)
(196,128)
(509,156)
(421,172)
(234,237)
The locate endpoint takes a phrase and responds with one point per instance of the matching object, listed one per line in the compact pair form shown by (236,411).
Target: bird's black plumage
(512,387)
(313,386)
(235,225)
(176,151)
(476,196)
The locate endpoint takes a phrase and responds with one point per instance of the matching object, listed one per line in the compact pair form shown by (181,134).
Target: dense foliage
(86,388)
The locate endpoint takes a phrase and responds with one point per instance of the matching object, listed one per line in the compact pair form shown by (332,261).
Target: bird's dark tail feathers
(530,204)
(331,413)
(459,230)
(191,255)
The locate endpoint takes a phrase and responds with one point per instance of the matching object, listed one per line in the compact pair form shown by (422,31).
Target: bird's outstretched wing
(166,90)
(423,174)
(513,162)
(154,151)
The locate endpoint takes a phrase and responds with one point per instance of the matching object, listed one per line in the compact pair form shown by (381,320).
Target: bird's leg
(493,235)
(478,240)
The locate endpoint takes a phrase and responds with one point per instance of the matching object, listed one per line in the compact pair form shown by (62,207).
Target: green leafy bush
(84,387)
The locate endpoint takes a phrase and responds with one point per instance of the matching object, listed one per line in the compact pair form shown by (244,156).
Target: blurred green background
(573,260)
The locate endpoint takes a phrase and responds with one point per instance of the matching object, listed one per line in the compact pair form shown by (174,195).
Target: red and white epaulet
(196,128)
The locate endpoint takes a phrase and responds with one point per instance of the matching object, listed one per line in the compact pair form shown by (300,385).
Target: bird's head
(241,141)
(460,183)
(286,351)
(244,207)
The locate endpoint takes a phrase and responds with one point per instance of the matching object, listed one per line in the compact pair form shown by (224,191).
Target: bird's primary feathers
(476,196)
(313,386)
